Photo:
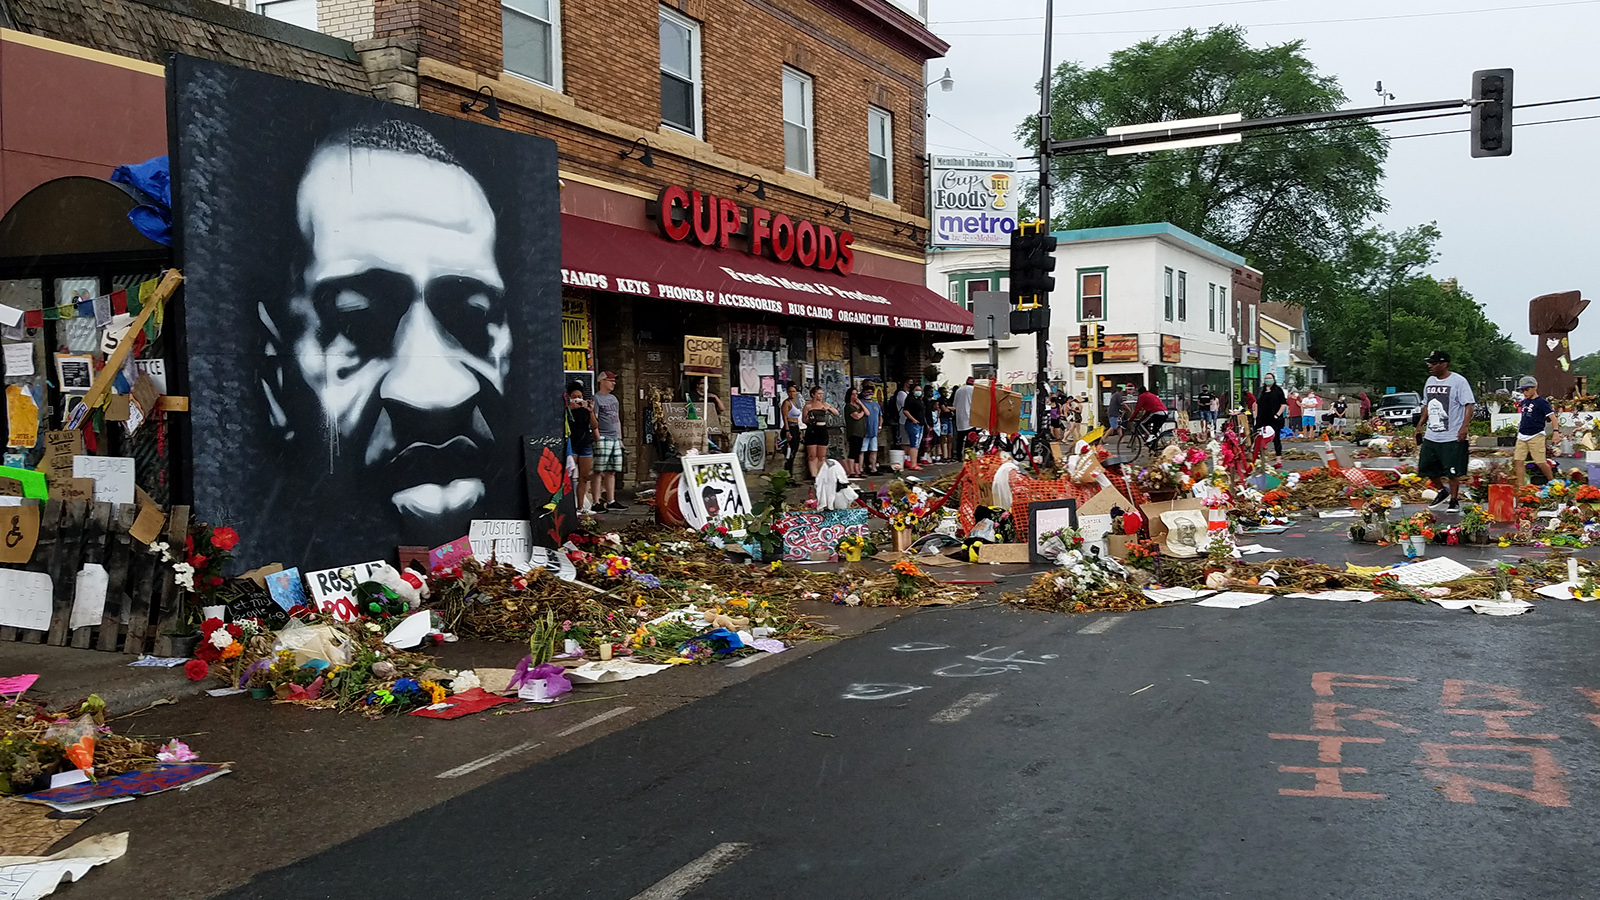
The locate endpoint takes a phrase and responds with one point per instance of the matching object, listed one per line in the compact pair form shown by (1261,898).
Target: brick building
(808,111)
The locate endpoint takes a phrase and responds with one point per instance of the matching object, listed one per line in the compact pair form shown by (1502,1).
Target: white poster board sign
(509,541)
(716,486)
(113,477)
(333,590)
(25,599)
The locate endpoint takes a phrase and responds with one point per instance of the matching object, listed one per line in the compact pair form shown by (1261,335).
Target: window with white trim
(880,152)
(1211,309)
(295,12)
(1183,296)
(1222,308)
(1091,295)
(797,122)
(530,34)
(1167,306)
(680,72)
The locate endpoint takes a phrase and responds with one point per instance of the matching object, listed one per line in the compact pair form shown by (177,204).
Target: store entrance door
(657,366)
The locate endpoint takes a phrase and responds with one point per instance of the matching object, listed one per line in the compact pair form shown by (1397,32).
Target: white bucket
(897,459)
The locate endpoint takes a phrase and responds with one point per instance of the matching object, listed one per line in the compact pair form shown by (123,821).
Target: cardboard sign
(334,590)
(22,417)
(508,541)
(1009,404)
(147,527)
(25,599)
(702,355)
(414,558)
(19,533)
(1104,501)
(113,477)
(1003,553)
(74,489)
(59,449)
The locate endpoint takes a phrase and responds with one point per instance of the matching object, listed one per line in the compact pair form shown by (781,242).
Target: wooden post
(172,598)
(44,553)
(94,551)
(64,568)
(118,553)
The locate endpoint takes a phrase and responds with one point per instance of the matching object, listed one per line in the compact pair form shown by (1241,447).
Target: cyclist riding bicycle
(1150,411)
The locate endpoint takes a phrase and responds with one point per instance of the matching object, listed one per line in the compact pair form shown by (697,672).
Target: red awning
(610,257)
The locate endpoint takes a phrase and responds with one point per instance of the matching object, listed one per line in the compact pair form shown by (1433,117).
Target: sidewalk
(67,675)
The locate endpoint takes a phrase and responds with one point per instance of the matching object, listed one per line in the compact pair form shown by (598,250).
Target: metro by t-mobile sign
(708,220)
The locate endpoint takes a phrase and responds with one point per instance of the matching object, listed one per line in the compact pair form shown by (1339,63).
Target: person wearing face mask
(916,416)
(1270,406)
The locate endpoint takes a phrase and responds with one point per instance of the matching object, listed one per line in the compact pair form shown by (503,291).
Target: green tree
(1288,200)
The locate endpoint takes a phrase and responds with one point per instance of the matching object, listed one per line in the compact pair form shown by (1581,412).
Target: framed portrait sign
(1044,518)
(715,486)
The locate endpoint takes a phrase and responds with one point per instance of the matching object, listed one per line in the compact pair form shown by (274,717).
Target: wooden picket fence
(141,587)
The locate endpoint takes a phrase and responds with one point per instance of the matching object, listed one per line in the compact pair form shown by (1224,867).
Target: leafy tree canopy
(1283,199)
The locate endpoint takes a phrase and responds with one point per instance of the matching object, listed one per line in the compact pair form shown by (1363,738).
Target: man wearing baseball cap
(1447,403)
(1537,414)
(608,446)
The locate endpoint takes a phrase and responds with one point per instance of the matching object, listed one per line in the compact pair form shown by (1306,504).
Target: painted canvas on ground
(370,315)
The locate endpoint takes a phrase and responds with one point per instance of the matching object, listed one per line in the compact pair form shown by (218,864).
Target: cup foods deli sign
(974,200)
(708,220)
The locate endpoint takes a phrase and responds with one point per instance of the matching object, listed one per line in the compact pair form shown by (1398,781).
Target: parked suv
(1400,409)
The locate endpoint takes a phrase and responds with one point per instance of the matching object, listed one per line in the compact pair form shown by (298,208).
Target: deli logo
(708,220)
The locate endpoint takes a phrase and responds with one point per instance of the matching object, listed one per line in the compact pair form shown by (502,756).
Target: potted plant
(260,683)
(851,547)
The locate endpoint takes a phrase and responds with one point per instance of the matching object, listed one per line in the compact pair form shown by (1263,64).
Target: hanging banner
(974,200)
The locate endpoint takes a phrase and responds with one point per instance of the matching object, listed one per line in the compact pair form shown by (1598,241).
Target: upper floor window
(531,35)
(1211,315)
(1167,295)
(680,72)
(1091,295)
(880,152)
(296,12)
(797,127)
(1222,308)
(1183,296)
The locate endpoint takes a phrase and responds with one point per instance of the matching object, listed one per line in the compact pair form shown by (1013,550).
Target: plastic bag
(311,642)
(77,739)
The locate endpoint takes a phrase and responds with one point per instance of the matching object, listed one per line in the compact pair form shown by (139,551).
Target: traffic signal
(1030,321)
(1032,261)
(1090,346)
(1491,114)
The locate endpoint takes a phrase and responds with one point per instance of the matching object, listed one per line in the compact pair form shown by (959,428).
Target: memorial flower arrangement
(1142,554)
(907,577)
(1417,525)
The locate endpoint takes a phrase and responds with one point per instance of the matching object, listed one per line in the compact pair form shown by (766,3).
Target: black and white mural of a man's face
(401,272)
(397,323)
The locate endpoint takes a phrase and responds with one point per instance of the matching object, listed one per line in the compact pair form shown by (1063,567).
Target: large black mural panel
(372,307)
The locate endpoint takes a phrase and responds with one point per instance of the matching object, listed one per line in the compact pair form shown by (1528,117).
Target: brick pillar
(391,66)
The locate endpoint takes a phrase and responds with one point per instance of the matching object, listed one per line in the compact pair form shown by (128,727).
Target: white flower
(220,639)
(465,681)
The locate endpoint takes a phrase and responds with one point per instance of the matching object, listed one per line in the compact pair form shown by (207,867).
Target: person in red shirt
(1294,412)
(1150,410)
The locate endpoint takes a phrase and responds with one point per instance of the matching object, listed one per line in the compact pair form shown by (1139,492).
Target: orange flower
(232,650)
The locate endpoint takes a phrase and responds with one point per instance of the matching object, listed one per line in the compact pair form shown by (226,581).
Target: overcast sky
(1513,228)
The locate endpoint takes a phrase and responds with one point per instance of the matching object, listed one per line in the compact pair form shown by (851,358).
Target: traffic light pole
(1042,337)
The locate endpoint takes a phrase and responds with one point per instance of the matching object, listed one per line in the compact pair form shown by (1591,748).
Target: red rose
(209,626)
(199,561)
(235,630)
(197,669)
(215,581)
(208,652)
(224,538)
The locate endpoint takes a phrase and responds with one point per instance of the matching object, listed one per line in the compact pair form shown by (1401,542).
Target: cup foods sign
(974,200)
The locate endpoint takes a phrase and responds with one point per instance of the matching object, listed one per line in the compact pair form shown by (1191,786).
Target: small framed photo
(75,374)
(715,486)
(1047,518)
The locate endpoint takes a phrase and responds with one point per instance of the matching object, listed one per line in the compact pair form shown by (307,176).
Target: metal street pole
(1042,336)
(994,352)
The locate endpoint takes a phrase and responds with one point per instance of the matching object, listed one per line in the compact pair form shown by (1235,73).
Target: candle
(605,650)
(1572,569)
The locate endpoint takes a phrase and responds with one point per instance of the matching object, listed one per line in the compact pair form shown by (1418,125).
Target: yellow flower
(678,661)
(638,601)
(436,691)
(738,601)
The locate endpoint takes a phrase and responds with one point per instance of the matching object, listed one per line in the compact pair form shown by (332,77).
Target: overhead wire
(1422,15)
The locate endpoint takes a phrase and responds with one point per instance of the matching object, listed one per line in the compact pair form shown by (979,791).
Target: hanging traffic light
(1491,113)
(1032,261)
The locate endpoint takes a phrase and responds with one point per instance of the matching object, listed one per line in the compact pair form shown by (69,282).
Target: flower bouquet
(907,578)
(1142,554)
(853,546)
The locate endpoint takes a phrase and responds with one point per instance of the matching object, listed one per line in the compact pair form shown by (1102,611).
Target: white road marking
(690,876)
(1100,626)
(962,708)
(748,660)
(1143,689)
(491,759)
(595,720)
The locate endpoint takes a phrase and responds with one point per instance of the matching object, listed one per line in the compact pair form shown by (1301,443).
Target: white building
(1164,298)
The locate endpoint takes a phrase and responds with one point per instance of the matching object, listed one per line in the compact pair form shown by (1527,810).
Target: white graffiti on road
(918,647)
(875,691)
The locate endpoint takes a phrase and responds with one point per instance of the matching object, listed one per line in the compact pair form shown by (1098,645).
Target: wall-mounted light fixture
(835,210)
(913,231)
(643,157)
(760,193)
(484,95)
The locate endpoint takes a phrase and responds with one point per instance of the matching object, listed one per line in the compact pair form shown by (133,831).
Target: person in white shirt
(963,405)
(1447,403)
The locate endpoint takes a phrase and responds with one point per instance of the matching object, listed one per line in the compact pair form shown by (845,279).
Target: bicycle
(1133,440)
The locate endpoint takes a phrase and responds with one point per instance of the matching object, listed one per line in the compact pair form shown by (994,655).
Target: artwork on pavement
(813,532)
(368,309)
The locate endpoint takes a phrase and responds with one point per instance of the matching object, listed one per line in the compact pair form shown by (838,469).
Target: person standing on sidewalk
(963,411)
(915,413)
(1537,415)
(1269,407)
(607,444)
(855,430)
(1447,403)
(869,444)
(789,412)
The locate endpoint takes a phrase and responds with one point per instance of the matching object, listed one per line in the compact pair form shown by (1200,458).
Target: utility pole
(1042,336)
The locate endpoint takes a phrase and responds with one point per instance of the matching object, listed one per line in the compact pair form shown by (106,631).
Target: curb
(123,699)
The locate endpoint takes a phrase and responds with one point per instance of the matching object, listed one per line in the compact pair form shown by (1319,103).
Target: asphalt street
(1295,748)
